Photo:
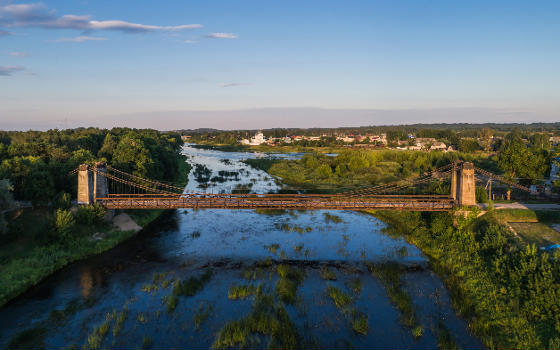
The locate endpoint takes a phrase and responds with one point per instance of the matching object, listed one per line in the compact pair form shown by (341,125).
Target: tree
(540,142)
(6,202)
(516,160)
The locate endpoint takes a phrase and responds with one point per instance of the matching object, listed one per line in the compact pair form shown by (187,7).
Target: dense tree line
(37,163)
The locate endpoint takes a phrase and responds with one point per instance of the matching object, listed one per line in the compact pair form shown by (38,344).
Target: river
(134,281)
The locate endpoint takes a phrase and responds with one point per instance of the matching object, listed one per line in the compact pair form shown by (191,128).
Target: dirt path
(125,223)
(544,206)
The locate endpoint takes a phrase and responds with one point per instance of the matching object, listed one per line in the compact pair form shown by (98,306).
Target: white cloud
(221,36)
(5,33)
(19,54)
(38,15)
(79,39)
(9,70)
(190,41)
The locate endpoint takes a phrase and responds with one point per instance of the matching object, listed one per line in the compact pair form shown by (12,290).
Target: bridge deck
(278,201)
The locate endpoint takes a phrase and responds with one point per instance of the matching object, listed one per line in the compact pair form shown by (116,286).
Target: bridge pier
(91,184)
(85,185)
(463,188)
(101,189)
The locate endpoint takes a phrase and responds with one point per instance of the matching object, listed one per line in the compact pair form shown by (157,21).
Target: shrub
(90,214)
(63,222)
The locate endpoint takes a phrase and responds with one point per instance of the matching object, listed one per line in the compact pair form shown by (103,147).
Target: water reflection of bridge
(116,189)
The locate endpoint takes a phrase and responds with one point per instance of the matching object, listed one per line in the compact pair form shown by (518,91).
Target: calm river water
(65,308)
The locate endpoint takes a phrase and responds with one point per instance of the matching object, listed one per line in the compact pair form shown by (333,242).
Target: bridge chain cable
(401,184)
(132,184)
(501,179)
(157,183)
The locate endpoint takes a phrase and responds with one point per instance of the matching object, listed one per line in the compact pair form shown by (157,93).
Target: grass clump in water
(242,291)
(390,276)
(332,218)
(355,285)
(327,274)
(272,248)
(96,337)
(192,286)
(359,322)
(252,274)
(119,321)
(187,288)
(203,313)
(287,285)
(340,299)
(265,319)
(147,342)
(446,340)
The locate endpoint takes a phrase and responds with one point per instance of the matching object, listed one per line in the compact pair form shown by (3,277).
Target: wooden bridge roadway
(115,189)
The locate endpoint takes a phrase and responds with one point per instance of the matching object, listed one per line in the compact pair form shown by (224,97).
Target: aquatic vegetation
(203,313)
(298,248)
(340,299)
(327,274)
(119,321)
(170,301)
(266,318)
(252,274)
(192,286)
(446,340)
(355,285)
(402,252)
(31,338)
(147,342)
(332,218)
(390,276)
(359,322)
(417,331)
(283,254)
(195,234)
(141,318)
(96,337)
(292,228)
(187,288)
(265,263)
(287,285)
(242,291)
(272,248)
(148,288)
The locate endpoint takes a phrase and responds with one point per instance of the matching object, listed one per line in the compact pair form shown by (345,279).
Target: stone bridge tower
(463,189)
(91,185)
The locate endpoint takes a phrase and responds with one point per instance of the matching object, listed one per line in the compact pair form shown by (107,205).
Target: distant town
(486,140)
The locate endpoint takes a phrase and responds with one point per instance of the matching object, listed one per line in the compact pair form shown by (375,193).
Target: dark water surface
(238,247)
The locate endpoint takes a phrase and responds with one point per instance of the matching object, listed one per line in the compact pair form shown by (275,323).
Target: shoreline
(110,239)
(20,274)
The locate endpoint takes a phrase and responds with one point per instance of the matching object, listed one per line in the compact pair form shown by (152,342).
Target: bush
(481,195)
(63,222)
(63,200)
(90,214)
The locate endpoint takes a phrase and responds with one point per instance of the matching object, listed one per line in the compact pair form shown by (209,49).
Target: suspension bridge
(117,189)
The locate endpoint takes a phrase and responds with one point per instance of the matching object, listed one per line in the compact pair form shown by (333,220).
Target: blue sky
(78,63)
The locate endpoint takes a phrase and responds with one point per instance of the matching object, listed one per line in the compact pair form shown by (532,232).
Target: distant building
(256,140)
(438,145)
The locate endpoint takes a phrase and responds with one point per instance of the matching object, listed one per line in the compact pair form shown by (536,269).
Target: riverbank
(37,252)
(506,290)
